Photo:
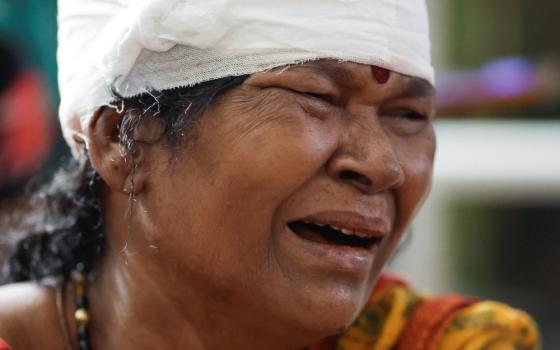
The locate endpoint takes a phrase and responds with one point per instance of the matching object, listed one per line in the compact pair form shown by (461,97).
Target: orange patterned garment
(397,318)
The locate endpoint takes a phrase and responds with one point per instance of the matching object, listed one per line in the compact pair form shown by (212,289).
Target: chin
(330,312)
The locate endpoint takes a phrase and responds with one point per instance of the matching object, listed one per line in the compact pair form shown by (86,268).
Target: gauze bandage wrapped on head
(135,46)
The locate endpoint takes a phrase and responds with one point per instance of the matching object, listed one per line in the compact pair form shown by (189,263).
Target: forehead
(355,75)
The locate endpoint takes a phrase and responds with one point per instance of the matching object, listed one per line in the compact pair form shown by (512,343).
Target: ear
(115,167)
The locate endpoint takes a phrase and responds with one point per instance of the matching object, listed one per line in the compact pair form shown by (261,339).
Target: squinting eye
(323,97)
(405,121)
(408,114)
(415,115)
(318,96)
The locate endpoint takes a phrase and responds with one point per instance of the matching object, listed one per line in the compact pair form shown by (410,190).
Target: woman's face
(239,218)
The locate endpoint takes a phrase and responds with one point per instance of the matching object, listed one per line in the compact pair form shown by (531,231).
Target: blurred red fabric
(26,126)
(3,345)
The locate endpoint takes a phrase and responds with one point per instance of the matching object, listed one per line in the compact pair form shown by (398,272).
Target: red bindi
(381,74)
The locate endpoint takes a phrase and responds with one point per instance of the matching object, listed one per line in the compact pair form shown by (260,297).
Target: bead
(80,290)
(78,277)
(83,332)
(84,345)
(82,302)
(82,316)
(381,74)
(81,267)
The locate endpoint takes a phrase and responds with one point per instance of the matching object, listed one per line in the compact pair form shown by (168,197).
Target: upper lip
(374,227)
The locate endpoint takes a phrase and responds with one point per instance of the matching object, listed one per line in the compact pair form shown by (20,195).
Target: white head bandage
(139,45)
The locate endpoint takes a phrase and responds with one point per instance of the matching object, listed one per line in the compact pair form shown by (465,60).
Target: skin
(204,260)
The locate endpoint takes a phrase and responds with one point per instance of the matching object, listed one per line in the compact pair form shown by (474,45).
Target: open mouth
(327,234)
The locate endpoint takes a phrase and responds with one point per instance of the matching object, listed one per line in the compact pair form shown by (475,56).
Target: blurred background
(491,226)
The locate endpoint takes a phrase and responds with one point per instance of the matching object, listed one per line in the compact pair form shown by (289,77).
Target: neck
(133,306)
(141,300)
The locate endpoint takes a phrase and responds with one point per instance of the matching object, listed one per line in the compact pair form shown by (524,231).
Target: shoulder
(27,311)
(490,324)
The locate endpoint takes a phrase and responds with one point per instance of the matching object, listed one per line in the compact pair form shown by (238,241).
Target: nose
(366,159)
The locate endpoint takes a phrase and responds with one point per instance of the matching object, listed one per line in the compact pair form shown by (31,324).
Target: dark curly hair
(71,228)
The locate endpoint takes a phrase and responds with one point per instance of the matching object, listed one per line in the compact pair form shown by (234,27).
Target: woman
(226,197)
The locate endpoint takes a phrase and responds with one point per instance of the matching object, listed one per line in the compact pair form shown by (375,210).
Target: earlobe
(116,167)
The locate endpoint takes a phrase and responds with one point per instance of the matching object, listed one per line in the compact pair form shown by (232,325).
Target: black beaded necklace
(82,310)
(81,313)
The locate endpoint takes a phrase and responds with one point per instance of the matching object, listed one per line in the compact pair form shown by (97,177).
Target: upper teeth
(342,230)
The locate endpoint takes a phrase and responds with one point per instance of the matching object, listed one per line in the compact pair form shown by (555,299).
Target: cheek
(265,167)
(270,152)
(417,159)
(280,160)
(226,194)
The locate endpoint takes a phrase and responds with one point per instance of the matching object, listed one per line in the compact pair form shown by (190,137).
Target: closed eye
(415,115)
(323,97)
(315,95)
(408,114)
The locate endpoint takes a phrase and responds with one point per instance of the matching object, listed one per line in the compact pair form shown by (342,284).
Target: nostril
(349,175)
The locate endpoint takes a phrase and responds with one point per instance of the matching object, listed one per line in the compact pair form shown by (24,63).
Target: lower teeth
(329,235)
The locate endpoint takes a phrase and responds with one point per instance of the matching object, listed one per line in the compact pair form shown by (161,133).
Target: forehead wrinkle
(258,109)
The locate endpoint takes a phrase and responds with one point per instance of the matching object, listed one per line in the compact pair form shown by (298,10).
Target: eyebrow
(418,88)
(337,73)
(320,68)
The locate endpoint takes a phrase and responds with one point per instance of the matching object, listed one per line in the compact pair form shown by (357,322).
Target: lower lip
(335,257)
